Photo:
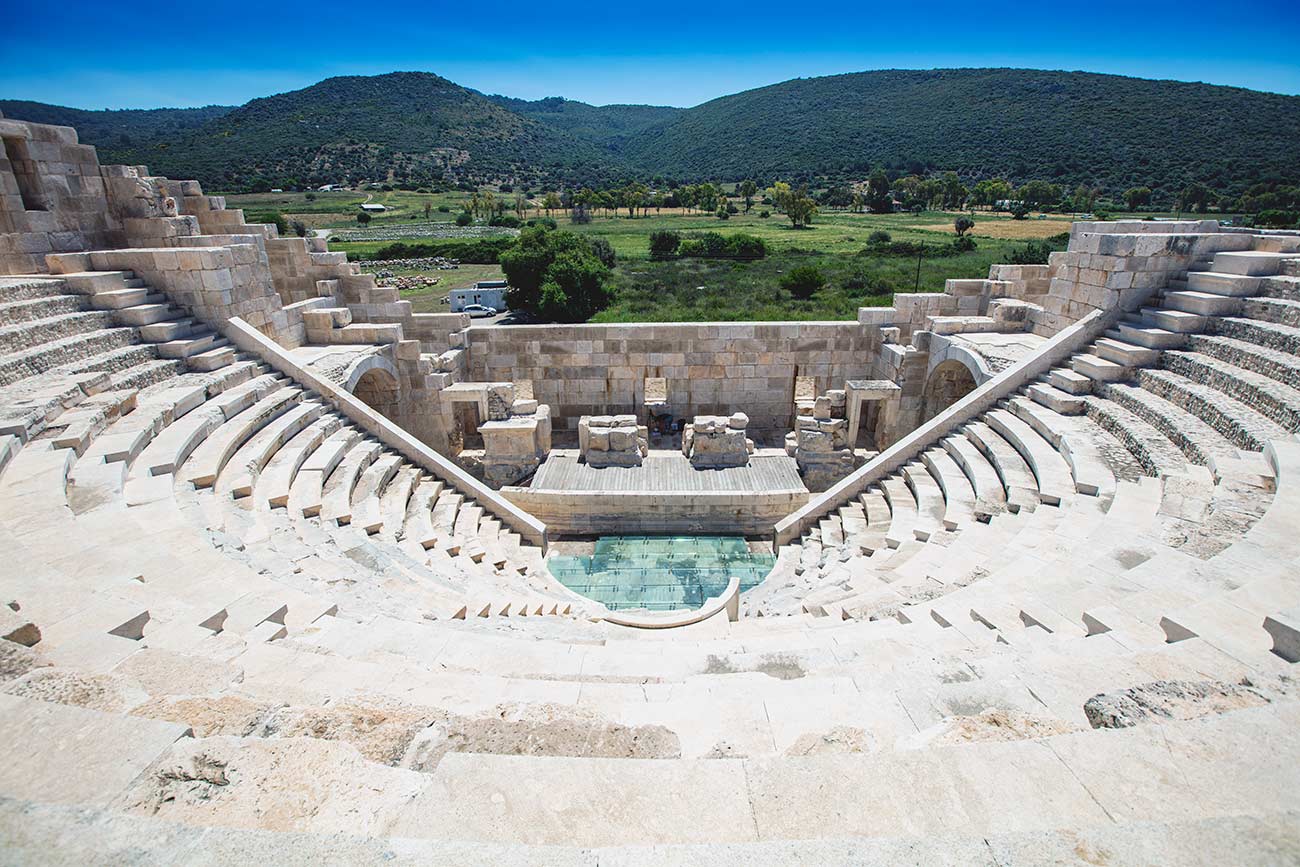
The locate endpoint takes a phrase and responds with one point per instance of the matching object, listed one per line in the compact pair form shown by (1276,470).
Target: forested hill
(611,127)
(115,132)
(1065,127)
(1068,128)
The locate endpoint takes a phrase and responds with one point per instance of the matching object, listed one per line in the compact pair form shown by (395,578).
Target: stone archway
(379,389)
(948,383)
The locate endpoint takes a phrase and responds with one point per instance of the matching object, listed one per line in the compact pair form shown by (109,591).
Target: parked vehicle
(477,310)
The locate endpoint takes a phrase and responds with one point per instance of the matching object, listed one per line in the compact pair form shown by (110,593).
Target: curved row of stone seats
(191,426)
(1164,401)
(96,834)
(249,748)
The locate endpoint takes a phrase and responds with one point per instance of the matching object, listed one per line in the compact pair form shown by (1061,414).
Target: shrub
(311,197)
(444,209)
(742,246)
(483,251)
(1275,218)
(763,215)
(363,218)
(299,228)
(464,219)
(880,236)
(803,281)
(1019,211)
(509,221)
(664,243)
(1034,253)
(723,215)
(604,252)
(864,284)
(963,243)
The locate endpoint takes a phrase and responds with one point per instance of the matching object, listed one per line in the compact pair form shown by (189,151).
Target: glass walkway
(660,573)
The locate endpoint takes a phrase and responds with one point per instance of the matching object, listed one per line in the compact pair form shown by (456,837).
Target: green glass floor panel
(660,573)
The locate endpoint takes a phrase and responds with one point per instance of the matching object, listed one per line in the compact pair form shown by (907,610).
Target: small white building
(374,208)
(489,293)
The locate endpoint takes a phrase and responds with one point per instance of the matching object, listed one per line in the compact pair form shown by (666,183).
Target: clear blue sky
(145,55)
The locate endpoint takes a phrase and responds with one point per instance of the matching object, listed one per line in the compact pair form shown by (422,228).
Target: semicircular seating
(237,623)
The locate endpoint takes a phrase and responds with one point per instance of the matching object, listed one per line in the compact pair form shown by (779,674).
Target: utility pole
(919,254)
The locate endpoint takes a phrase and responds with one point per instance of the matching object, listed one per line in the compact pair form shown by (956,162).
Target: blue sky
(145,55)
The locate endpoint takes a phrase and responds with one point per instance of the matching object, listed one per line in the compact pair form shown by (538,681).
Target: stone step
(1228,285)
(1055,483)
(194,343)
(990,496)
(147,314)
(1202,303)
(1287,288)
(205,463)
(219,356)
(1056,399)
(1250,262)
(1174,320)
(1069,381)
(1124,353)
(1149,446)
(1145,334)
(1099,369)
(118,299)
(170,329)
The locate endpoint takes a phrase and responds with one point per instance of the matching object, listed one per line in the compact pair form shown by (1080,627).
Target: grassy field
(704,290)
(336,210)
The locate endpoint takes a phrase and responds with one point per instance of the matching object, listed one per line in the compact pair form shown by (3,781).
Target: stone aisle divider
(249,339)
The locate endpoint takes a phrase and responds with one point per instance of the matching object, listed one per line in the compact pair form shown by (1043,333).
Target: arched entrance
(949,382)
(378,388)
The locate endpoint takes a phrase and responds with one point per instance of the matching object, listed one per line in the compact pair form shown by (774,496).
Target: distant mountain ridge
(418,128)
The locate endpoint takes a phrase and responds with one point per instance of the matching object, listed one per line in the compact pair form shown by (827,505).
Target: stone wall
(710,368)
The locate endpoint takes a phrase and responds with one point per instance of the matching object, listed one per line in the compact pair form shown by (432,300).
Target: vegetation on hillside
(1186,143)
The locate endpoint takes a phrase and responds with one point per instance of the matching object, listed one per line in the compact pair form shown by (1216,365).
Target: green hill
(117,133)
(1065,127)
(419,129)
(610,127)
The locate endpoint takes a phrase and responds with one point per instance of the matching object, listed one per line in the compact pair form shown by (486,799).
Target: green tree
(796,203)
(1039,194)
(1136,197)
(878,198)
(803,281)
(962,225)
(428,208)
(556,275)
(551,203)
(363,217)
(663,244)
(464,218)
(747,190)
